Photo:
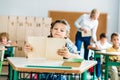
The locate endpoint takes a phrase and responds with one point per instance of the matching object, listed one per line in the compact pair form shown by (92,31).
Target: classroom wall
(119,19)
(41,8)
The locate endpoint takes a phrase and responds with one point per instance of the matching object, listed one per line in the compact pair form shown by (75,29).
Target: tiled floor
(3,77)
(4,73)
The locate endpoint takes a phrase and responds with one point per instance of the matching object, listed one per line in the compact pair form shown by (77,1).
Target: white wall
(41,8)
(119,18)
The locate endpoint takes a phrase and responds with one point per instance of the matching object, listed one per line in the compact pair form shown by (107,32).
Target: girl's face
(115,40)
(59,31)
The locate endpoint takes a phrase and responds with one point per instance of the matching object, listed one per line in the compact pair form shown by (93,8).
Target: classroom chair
(1,59)
(9,52)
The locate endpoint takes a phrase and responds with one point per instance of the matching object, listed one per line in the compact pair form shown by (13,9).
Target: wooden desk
(107,61)
(18,64)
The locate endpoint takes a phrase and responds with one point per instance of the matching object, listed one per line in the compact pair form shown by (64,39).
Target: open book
(44,47)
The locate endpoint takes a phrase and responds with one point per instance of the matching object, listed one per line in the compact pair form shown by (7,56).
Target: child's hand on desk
(8,43)
(3,44)
(13,43)
(64,52)
(97,47)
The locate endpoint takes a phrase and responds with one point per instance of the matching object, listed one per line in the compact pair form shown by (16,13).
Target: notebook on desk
(45,47)
(73,62)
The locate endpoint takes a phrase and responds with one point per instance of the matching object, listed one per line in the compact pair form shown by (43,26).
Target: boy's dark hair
(114,34)
(103,35)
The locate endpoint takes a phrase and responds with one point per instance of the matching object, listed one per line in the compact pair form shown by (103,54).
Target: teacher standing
(85,24)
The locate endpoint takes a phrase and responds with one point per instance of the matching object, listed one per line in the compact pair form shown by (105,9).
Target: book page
(89,33)
(52,46)
(39,47)
(45,47)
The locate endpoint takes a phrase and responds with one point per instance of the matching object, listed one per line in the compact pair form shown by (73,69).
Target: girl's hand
(64,52)
(2,43)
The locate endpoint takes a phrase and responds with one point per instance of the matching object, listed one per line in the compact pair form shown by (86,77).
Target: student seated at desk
(4,41)
(102,44)
(115,39)
(59,29)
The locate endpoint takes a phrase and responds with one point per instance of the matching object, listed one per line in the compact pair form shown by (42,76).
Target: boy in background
(102,44)
(115,39)
(4,41)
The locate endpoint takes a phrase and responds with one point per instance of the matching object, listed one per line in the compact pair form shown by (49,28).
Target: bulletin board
(71,17)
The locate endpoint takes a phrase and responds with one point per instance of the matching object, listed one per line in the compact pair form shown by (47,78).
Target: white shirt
(86,22)
(103,46)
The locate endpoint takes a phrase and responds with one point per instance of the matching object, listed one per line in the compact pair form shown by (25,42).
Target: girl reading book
(59,29)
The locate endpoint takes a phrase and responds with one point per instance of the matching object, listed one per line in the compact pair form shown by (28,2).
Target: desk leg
(94,74)
(106,67)
(15,77)
(84,76)
(10,73)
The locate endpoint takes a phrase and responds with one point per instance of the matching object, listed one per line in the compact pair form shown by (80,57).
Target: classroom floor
(4,73)
(3,77)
